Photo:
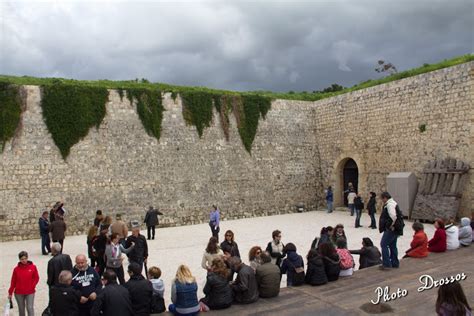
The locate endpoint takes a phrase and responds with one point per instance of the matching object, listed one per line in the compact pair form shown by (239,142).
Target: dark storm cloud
(264,45)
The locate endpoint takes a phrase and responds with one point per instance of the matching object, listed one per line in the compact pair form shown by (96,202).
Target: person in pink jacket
(23,284)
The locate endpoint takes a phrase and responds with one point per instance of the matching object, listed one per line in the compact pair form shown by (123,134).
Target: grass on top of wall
(10,112)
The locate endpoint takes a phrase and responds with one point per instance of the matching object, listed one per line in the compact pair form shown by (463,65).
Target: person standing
(113,300)
(87,281)
(44,233)
(350,201)
(120,228)
(65,299)
(359,206)
(56,264)
(391,226)
(58,230)
(371,208)
(23,284)
(214,218)
(98,218)
(139,253)
(151,221)
(113,256)
(329,199)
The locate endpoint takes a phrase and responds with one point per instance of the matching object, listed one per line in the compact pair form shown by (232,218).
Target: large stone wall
(300,148)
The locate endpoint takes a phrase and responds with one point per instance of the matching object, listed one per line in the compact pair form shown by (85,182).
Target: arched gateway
(346,172)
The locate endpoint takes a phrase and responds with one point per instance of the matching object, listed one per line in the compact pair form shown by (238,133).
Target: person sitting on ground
(452,235)
(338,233)
(315,274)
(184,293)
(157,300)
(465,232)
(113,299)
(331,261)
(291,265)
(245,286)
(369,254)
(64,298)
(120,228)
(452,301)
(419,244)
(347,262)
(217,289)
(140,290)
(91,235)
(438,242)
(325,236)
(275,248)
(229,245)
(98,218)
(268,277)
(113,256)
(254,257)
(212,252)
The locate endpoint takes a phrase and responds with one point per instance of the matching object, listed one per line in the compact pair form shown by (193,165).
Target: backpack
(347,261)
(399,222)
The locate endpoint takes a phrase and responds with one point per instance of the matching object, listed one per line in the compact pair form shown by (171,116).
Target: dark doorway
(350,173)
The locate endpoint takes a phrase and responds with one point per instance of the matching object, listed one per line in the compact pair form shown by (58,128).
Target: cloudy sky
(237,45)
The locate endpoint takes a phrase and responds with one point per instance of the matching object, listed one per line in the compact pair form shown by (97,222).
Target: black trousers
(120,274)
(150,232)
(215,232)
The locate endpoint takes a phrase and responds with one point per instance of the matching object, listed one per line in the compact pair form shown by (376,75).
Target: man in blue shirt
(214,222)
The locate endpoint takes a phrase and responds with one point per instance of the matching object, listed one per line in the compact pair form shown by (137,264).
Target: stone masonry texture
(299,149)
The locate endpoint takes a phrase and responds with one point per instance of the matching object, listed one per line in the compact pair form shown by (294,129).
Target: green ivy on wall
(70,111)
(149,107)
(250,110)
(197,109)
(10,112)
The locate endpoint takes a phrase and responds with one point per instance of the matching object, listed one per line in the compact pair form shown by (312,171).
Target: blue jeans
(45,244)
(358,215)
(351,208)
(172,310)
(329,203)
(373,224)
(389,249)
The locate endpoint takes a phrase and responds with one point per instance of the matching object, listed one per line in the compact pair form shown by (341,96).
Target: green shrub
(10,112)
(149,108)
(70,111)
(197,109)
(252,107)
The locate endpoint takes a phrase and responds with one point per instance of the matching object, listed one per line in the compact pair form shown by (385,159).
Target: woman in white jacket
(452,235)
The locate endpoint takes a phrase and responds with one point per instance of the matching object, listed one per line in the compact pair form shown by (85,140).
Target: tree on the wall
(385,66)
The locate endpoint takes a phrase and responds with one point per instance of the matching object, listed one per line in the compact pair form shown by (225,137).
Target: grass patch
(10,112)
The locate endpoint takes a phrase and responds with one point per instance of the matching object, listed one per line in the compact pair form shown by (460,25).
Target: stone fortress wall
(299,149)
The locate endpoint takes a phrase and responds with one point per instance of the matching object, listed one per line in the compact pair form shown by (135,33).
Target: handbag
(299,276)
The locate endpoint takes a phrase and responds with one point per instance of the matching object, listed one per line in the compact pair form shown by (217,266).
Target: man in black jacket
(139,253)
(245,286)
(113,300)
(64,298)
(151,220)
(56,264)
(391,226)
(44,233)
(140,290)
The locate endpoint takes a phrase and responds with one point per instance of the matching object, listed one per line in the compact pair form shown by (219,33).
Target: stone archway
(347,170)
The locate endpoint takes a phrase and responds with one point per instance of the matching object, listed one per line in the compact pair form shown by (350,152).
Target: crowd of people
(98,286)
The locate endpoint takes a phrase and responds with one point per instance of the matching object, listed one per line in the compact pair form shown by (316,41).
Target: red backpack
(347,261)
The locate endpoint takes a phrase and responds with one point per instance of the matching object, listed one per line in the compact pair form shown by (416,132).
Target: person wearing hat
(139,253)
(151,220)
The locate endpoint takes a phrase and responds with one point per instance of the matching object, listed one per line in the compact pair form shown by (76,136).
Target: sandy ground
(185,245)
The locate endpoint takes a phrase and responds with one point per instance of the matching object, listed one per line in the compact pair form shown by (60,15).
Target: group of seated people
(447,236)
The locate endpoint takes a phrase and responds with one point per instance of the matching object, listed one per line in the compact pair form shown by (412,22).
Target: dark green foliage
(333,88)
(197,109)
(70,111)
(120,92)
(223,107)
(149,107)
(252,107)
(10,112)
(422,128)
(174,95)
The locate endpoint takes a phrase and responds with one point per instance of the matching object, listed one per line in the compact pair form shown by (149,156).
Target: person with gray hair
(268,277)
(245,287)
(64,298)
(56,264)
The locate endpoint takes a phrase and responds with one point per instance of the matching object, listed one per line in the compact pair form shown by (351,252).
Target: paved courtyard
(177,245)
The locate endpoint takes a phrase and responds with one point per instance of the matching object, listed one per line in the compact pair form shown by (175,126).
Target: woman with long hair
(91,235)
(452,301)
(184,293)
(23,284)
(212,252)
(229,245)
(254,257)
(315,274)
(331,261)
(217,289)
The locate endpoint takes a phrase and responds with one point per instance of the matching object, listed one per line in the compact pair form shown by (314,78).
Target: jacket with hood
(24,279)
(465,232)
(292,261)
(452,237)
(315,273)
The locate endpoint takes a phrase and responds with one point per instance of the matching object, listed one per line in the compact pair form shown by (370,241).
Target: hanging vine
(197,109)
(10,112)
(149,107)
